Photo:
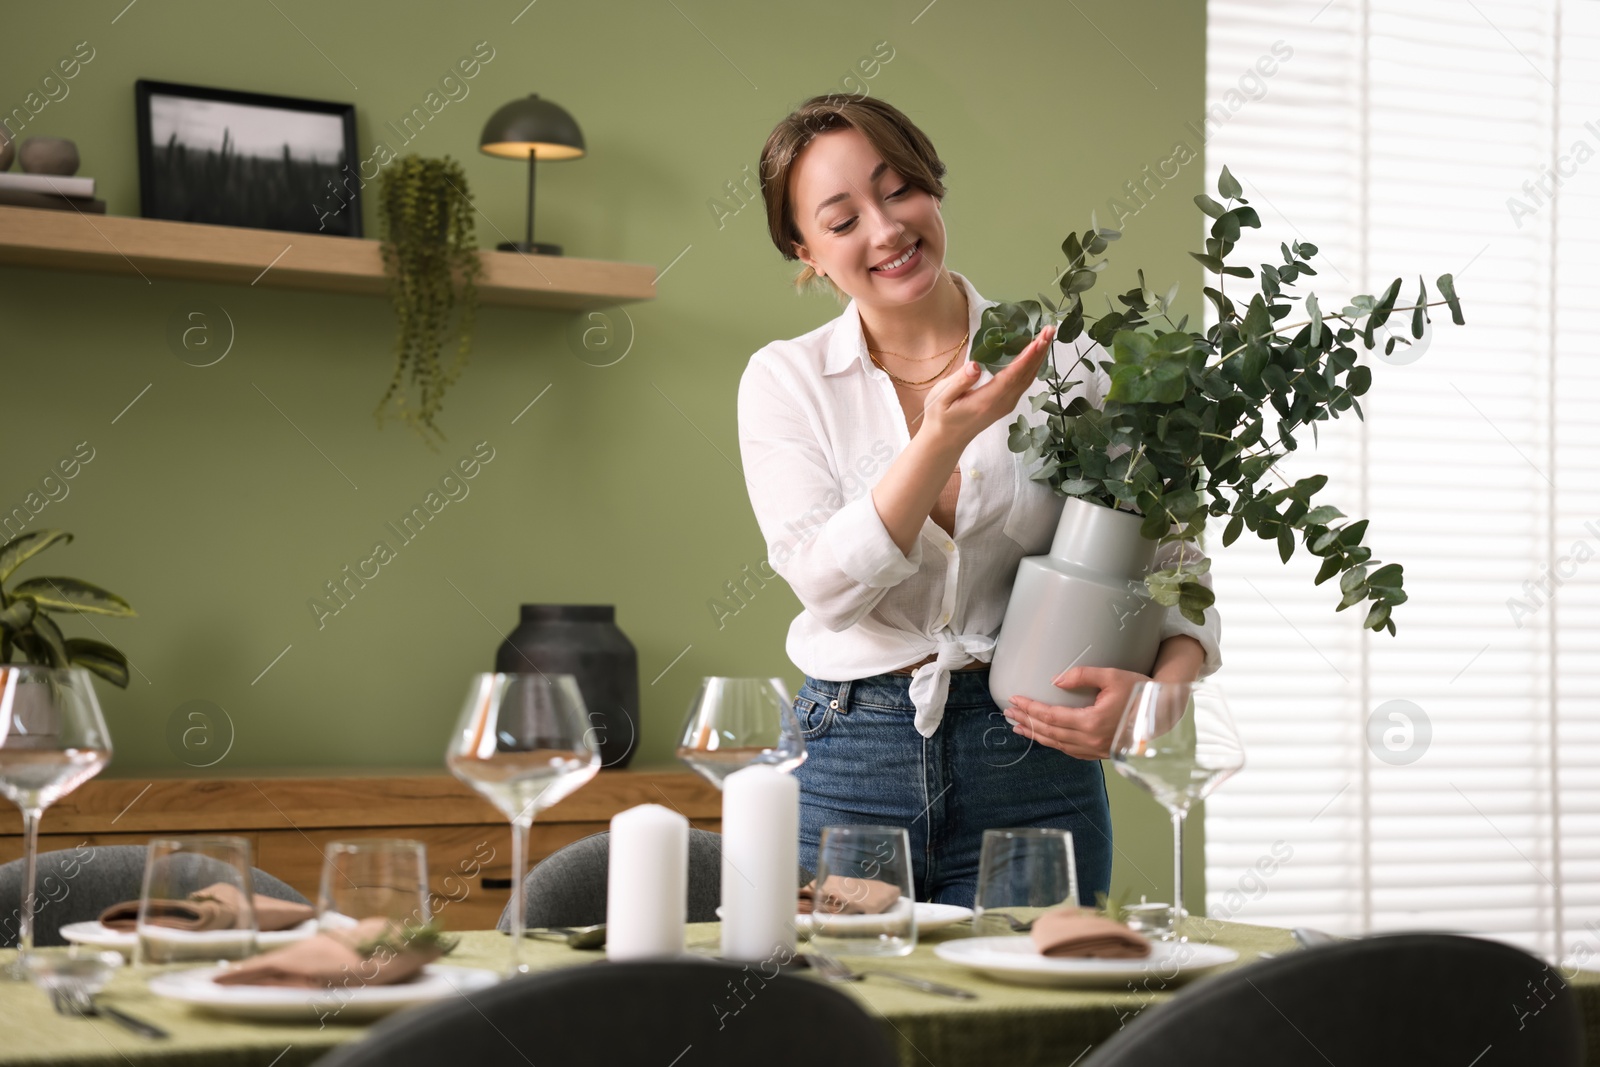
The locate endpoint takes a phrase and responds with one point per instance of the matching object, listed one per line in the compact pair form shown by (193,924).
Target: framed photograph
(247,159)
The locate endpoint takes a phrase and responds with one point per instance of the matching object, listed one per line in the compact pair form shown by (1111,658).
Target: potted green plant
(25,609)
(428,239)
(1190,429)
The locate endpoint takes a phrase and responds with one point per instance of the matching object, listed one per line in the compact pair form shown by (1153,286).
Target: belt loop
(841,702)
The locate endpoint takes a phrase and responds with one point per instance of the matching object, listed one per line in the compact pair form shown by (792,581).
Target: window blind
(1447,777)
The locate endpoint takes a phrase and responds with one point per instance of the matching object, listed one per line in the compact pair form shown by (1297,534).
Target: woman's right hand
(955,413)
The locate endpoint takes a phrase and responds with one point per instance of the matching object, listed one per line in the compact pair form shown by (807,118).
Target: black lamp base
(537,248)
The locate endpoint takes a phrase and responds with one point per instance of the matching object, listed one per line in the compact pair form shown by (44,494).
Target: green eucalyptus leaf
(1228,186)
(1447,289)
(1226,228)
(1210,206)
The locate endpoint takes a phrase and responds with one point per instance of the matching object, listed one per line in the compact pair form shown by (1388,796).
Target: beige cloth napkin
(848,896)
(333,958)
(216,907)
(1081,932)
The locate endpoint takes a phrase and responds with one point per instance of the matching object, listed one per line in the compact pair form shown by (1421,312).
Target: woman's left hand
(1082,732)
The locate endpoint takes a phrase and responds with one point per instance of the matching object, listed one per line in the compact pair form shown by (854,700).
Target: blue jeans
(866,763)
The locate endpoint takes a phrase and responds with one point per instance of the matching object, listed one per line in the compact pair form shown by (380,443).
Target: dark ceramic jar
(583,640)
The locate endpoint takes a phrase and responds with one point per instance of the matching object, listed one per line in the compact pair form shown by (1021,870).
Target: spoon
(581,937)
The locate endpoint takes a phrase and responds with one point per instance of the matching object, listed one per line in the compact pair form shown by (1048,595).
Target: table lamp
(531,129)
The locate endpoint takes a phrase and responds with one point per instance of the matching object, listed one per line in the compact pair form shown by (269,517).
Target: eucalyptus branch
(1161,397)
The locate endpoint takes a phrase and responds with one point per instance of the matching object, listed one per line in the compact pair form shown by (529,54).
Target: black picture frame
(199,176)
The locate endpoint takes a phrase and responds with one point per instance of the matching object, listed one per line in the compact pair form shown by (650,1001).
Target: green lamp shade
(532,126)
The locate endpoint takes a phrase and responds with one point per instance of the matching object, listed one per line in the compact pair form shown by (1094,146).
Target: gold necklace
(926,381)
(913,359)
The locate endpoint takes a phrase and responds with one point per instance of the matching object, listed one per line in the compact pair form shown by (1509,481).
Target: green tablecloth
(1010,1024)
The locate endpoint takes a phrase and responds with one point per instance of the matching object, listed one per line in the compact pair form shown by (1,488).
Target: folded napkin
(216,907)
(848,896)
(373,952)
(1081,932)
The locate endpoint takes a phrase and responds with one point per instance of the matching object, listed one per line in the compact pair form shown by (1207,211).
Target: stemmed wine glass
(736,722)
(524,742)
(1177,741)
(52,740)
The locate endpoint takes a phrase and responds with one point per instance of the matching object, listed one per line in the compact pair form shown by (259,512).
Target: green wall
(226,496)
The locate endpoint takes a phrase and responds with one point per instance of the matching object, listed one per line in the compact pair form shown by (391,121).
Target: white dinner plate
(342,1003)
(96,934)
(1016,959)
(929,917)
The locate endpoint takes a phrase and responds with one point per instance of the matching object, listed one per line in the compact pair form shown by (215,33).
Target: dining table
(1017,1025)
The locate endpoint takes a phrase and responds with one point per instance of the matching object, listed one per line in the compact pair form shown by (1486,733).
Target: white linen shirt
(819,423)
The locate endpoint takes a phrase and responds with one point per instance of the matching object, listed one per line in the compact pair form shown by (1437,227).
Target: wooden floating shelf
(188,251)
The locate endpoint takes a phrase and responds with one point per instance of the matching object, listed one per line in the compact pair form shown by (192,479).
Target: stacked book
(50,191)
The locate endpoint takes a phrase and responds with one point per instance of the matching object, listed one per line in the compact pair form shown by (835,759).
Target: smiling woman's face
(878,217)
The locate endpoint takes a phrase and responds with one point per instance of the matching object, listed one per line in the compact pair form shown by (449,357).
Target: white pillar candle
(647,890)
(760,855)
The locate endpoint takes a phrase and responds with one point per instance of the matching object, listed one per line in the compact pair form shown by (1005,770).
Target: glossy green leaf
(19,550)
(71,594)
(100,658)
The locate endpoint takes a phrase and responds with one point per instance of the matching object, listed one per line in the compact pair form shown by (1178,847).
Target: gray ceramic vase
(1082,605)
(583,640)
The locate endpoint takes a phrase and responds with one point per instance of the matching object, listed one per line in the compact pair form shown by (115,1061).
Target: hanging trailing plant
(427,240)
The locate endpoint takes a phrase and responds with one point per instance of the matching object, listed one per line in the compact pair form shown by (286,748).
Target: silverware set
(835,970)
(75,1001)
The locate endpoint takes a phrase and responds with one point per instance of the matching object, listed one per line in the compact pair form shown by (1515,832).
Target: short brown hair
(898,140)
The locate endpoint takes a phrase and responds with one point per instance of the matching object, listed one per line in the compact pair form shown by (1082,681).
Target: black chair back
(1399,1000)
(643,1014)
(77,884)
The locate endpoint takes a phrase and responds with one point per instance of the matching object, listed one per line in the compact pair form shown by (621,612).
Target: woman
(876,458)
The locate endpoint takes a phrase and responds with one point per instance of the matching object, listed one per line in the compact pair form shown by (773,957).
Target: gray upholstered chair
(1389,1001)
(568,887)
(636,1014)
(77,884)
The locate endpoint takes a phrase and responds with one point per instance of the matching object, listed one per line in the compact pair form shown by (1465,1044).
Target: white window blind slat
(1392,139)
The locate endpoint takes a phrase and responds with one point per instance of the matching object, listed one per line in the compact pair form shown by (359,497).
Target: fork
(836,971)
(1016,924)
(81,1002)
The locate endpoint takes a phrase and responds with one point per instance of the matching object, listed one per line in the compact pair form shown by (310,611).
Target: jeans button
(834,704)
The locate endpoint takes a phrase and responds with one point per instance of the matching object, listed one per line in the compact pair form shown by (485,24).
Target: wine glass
(192,869)
(374,878)
(736,722)
(1177,741)
(52,740)
(1022,873)
(523,741)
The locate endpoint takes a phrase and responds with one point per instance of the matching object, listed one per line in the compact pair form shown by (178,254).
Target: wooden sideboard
(290,820)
